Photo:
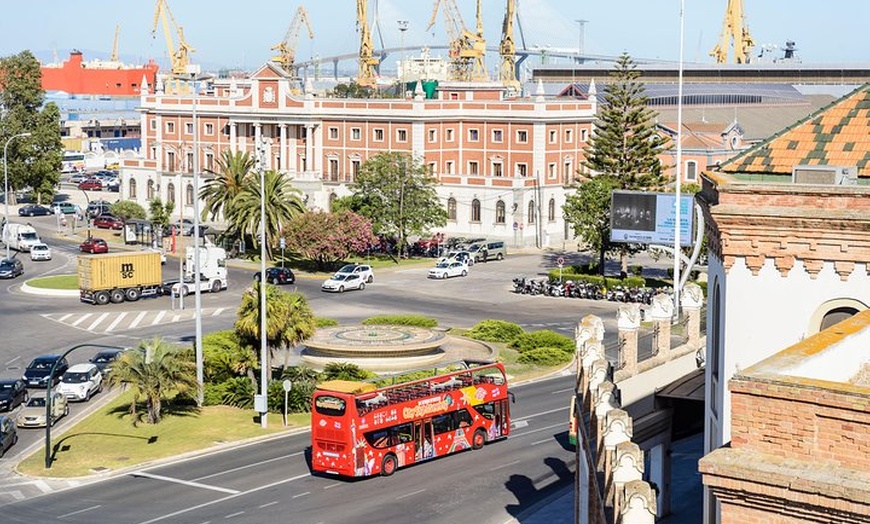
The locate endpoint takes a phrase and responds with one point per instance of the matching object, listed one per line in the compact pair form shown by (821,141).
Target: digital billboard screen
(650,218)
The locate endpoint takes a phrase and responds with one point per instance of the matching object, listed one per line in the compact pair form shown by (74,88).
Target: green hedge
(401,320)
(491,330)
(545,338)
(608,282)
(545,356)
(323,322)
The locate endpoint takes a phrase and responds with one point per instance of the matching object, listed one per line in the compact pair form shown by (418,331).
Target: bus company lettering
(383,418)
(427,407)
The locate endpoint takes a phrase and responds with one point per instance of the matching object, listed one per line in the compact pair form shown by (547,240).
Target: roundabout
(385,348)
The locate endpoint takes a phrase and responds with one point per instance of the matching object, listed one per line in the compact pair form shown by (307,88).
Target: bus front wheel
(388,466)
(479,439)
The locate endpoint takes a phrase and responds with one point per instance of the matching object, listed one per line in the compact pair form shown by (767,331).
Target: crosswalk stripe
(138,319)
(158,318)
(61,319)
(82,319)
(116,321)
(176,318)
(97,321)
(217,311)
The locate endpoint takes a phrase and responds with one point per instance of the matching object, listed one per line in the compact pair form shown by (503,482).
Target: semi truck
(212,272)
(20,237)
(116,277)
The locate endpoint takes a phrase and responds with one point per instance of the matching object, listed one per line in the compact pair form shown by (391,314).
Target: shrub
(323,322)
(298,399)
(636,270)
(540,339)
(236,391)
(401,320)
(545,356)
(492,330)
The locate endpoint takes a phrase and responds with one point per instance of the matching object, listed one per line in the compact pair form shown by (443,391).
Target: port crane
(467,49)
(179,58)
(286,49)
(507,49)
(114,55)
(734,32)
(366,75)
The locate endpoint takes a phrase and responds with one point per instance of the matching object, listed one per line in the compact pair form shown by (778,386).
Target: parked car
(78,177)
(459,256)
(449,269)
(341,282)
(65,208)
(13,393)
(33,210)
(11,268)
(92,183)
(36,373)
(8,434)
(99,207)
(40,252)
(81,382)
(277,275)
(105,359)
(94,245)
(365,271)
(108,222)
(113,184)
(33,413)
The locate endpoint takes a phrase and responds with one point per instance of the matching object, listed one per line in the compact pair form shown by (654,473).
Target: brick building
(504,164)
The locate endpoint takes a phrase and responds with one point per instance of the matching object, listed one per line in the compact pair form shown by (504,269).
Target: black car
(8,434)
(277,275)
(105,359)
(36,374)
(34,210)
(11,268)
(13,392)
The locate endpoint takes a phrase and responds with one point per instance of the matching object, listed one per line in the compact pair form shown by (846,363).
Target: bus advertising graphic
(358,429)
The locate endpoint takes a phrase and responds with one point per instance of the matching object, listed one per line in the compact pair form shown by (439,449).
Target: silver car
(40,252)
(341,282)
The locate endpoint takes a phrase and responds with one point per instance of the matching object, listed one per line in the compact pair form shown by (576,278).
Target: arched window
(551,210)
(475,210)
(531,218)
(691,170)
(499,212)
(451,208)
(170,192)
(132,189)
(836,316)
(150,191)
(188,195)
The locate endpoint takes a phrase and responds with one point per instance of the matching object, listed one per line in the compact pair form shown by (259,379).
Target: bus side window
(463,418)
(405,433)
(486,410)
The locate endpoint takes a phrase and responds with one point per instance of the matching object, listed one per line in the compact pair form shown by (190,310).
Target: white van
(20,237)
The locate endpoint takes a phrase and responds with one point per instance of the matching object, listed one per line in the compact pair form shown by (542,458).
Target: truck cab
(212,268)
(20,237)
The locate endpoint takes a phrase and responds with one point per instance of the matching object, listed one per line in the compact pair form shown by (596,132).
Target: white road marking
(246,466)
(266,505)
(138,319)
(535,443)
(79,511)
(176,318)
(505,465)
(543,413)
(61,319)
(236,514)
(184,482)
(43,486)
(11,361)
(301,495)
(400,497)
(81,319)
(117,321)
(218,311)
(545,428)
(96,322)
(332,486)
(562,391)
(159,317)
(517,424)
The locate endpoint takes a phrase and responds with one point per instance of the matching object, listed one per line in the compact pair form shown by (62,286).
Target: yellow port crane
(467,49)
(286,49)
(507,49)
(734,32)
(114,56)
(179,58)
(366,76)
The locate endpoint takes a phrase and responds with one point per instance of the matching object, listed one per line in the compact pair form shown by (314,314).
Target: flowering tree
(327,238)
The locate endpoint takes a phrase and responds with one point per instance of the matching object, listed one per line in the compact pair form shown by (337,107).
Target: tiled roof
(837,135)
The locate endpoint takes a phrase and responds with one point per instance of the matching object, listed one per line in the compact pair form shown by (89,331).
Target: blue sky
(239,34)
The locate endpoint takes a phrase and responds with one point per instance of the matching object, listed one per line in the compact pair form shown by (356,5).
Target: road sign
(282,242)
(516,226)
(560,261)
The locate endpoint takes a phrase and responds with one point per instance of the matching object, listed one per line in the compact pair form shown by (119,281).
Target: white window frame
(497,136)
(522,169)
(333,133)
(170,127)
(476,135)
(448,167)
(522,136)
(449,137)
(553,136)
(694,175)
(209,129)
(476,170)
(401,135)
(378,134)
(355,133)
(497,166)
(433,135)
(188,128)
(569,136)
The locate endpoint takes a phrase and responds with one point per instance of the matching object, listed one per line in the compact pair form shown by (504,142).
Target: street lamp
(264,371)
(6,186)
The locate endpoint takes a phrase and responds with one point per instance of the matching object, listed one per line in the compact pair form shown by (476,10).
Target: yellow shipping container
(119,270)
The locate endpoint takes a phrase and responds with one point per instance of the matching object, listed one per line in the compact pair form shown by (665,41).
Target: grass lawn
(107,440)
(55,282)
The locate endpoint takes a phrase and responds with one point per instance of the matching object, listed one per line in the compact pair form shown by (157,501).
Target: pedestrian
(484,254)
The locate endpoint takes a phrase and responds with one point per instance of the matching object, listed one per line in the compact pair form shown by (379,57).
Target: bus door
(424,436)
(501,423)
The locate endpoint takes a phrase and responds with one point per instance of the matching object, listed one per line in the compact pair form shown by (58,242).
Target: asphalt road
(271,482)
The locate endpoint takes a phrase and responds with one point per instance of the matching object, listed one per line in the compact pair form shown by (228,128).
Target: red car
(94,245)
(108,222)
(91,183)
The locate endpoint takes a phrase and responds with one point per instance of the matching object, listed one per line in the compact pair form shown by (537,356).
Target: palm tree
(233,174)
(289,320)
(155,370)
(283,202)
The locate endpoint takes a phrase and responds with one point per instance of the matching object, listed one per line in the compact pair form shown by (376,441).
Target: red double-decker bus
(358,429)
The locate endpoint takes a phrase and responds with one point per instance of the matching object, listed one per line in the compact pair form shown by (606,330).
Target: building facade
(504,165)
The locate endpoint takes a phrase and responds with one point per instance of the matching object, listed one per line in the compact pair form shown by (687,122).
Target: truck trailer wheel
(101,298)
(132,294)
(215,286)
(116,296)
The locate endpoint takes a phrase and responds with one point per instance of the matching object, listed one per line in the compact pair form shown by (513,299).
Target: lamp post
(6,185)
(677,215)
(264,372)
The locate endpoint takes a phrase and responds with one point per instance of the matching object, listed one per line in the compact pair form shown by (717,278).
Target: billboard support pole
(677,281)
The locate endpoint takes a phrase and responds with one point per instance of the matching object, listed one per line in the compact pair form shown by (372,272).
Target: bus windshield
(359,429)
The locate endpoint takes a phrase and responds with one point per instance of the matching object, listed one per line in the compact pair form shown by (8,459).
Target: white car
(341,282)
(365,271)
(81,382)
(40,252)
(449,269)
